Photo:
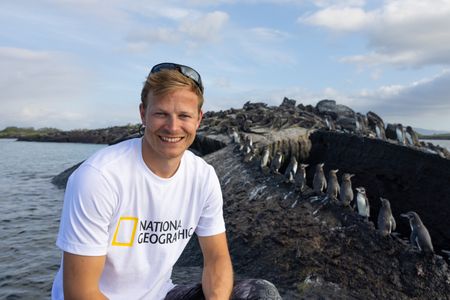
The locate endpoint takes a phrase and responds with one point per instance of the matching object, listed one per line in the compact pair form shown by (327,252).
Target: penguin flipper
(393,224)
(414,240)
(424,240)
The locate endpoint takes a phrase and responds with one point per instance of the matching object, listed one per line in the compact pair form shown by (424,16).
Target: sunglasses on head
(185,70)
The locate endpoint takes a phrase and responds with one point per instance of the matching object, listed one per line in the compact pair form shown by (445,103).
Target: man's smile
(170,139)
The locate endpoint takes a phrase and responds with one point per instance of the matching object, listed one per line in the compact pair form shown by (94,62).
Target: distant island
(442,136)
(92,136)
(16,132)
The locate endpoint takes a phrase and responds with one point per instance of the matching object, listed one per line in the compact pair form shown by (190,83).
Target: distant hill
(445,136)
(19,132)
(422,131)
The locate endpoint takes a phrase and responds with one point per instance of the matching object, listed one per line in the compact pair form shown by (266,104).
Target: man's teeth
(171,140)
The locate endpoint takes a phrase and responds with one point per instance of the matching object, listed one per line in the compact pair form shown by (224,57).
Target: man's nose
(172,123)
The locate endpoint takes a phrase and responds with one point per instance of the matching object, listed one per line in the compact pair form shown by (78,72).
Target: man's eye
(185,116)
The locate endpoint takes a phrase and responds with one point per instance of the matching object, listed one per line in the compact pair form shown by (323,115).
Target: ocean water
(30,208)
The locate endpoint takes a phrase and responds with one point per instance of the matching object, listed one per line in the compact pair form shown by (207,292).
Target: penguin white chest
(361,202)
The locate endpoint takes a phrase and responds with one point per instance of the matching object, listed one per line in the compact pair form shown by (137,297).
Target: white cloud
(423,103)
(405,33)
(190,28)
(339,18)
(206,27)
(344,3)
(268,34)
(111,11)
(154,35)
(375,58)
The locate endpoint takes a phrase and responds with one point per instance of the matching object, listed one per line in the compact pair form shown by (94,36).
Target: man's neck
(163,168)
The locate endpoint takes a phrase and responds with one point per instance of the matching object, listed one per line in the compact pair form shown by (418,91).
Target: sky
(75,64)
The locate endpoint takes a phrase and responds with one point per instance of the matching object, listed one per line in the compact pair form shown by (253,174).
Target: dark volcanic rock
(288,103)
(374,119)
(329,107)
(391,131)
(60,180)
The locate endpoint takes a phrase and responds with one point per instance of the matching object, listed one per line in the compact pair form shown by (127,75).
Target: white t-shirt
(115,206)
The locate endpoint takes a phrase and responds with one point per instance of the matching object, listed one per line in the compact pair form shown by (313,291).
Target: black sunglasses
(185,70)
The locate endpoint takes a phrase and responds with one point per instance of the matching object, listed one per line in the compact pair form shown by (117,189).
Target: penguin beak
(404,216)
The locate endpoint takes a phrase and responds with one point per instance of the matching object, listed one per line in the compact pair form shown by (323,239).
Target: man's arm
(217,279)
(81,276)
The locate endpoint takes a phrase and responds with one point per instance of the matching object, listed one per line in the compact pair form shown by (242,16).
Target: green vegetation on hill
(16,132)
(442,136)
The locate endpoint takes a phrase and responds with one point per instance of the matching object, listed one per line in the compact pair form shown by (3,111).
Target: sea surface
(30,208)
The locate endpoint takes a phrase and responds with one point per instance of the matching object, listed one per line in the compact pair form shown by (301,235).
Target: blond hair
(167,81)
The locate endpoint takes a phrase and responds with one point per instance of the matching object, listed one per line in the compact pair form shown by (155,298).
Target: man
(130,209)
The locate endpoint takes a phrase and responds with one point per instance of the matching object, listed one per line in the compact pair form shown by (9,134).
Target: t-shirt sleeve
(87,211)
(211,220)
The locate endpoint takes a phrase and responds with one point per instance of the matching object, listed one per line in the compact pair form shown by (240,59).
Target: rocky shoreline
(108,135)
(326,251)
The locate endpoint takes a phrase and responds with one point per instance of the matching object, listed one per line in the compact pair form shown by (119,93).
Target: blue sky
(81,63)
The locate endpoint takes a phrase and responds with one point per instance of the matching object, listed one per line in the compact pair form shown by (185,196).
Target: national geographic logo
(130,229)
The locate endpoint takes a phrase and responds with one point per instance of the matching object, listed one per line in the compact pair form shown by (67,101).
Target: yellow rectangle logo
(125,232)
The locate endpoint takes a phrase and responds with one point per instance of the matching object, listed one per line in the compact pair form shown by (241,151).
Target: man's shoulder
(115,154)
(196,161)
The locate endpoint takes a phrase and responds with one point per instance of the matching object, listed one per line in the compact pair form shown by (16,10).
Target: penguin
(346,192)
(332,185)
(319,180)
(379,129)
(276,162)
(386,221)
(250,155)
(411,136)
(330,123)
(247,149)
(362,202)
(291,169)
(265,159)
(249,140)
(419,233)
(300,177)
(360,123)
(235,136)
(400,134)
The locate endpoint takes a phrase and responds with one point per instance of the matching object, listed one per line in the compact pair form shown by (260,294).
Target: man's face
(171,123)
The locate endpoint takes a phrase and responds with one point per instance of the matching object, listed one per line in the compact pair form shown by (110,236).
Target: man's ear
(200,117)
(142,113)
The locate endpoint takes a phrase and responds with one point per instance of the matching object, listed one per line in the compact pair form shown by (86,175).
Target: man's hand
(81,275)
(217,279)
